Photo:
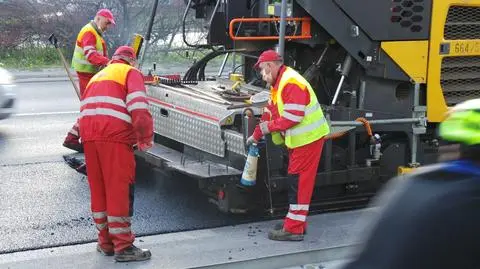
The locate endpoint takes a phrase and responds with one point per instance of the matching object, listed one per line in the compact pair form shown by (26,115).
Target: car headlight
(5,77)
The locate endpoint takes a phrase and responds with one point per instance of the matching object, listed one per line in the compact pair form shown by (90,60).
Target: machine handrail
(305,31)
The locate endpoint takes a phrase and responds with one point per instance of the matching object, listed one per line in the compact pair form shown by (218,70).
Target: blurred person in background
(430,218)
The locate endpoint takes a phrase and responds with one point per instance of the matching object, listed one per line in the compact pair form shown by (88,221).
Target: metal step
(169,159)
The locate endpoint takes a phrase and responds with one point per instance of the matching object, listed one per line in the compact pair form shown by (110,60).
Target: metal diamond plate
(194,121)
(235,142)
(195,104)
(195,132)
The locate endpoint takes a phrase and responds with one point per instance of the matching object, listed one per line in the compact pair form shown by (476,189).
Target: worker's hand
(144,146)
(267,114)
(262,129)
(251,140)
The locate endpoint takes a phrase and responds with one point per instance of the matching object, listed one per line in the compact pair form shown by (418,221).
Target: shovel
(53,40)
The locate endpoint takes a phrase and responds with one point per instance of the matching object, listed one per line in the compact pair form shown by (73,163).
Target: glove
(251,140)
(144,146)
(258,133)
(267,114)
(261,130)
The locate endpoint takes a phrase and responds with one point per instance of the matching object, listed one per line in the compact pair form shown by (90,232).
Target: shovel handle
(54,41)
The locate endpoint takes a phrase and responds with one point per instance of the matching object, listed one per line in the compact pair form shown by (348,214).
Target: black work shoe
(132,254)
(279,226)
(74,146)
(104,252)
(76,163)
(281,235)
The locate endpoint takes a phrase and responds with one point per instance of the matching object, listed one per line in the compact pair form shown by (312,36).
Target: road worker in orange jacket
(115,117)
(294,119)
(89,56)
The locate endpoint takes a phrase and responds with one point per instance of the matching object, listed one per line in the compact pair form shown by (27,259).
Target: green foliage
(30,57)
(46,56)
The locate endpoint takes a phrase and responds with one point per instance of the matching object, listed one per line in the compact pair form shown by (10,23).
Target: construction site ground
(330,241)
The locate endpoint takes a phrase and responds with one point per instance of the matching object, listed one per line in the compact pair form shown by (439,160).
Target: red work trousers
(73,135)
(111,176)
(302,171)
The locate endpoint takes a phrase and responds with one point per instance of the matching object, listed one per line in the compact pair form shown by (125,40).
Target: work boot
(73,145)
(279,226)
(105,252)
(133,254)
(282,235)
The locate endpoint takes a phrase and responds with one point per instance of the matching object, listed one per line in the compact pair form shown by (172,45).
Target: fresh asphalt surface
(46,203)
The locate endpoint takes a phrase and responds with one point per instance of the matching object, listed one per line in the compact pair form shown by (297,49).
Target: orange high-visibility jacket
(114,107)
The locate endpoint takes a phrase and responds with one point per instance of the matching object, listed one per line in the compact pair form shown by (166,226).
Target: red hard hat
(107,14)
(267,56)
(125,51)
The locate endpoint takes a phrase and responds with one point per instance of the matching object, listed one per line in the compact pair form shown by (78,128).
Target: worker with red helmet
(89,56)
(115,117)
(295,119)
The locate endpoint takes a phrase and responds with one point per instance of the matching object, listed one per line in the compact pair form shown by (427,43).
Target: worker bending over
(115,117)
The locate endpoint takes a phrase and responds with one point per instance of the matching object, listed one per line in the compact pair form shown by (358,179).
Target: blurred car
(7,94)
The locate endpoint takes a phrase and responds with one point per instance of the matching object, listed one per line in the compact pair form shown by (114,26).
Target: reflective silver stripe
(88,48)
(136,94)
(294,107)
(90,52)
(123,230)
(119,219)
(296,217)
(304,129)
(137,105)
(312,109)
(99,215)
(82,61)
(299,207)
(74,132)
(101,226)
(264,128)
(104,99)
(82,51)
(78,50)
(292,117)
(106,112)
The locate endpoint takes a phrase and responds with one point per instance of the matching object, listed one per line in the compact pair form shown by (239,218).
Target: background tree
(25,25)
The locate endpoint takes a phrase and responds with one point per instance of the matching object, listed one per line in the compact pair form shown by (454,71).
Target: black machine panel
(230,9)
(384,20)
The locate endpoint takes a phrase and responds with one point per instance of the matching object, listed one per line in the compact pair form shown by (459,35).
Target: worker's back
(108,102)
(430,220)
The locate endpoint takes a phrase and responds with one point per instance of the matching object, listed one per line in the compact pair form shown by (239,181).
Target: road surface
(46,203)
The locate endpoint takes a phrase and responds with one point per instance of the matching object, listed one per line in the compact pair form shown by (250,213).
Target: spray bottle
(249,176)
(375,146)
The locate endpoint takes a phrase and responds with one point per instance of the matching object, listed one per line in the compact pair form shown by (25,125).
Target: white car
(7,94)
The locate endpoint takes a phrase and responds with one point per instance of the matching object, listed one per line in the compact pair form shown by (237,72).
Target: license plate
(465,48)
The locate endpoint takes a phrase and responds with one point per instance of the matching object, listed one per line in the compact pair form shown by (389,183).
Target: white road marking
(45,113)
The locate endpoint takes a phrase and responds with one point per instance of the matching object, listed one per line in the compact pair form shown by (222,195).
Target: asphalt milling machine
(385,73)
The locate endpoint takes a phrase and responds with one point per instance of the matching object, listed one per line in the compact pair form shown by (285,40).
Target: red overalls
(88,43)
(114,117)
(303,161)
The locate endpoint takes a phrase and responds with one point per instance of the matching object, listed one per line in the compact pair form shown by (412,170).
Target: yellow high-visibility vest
(312,127)
(79,61)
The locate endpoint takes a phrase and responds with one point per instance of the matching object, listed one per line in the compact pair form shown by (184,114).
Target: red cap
(107,14)
(125,51)
(267,56)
